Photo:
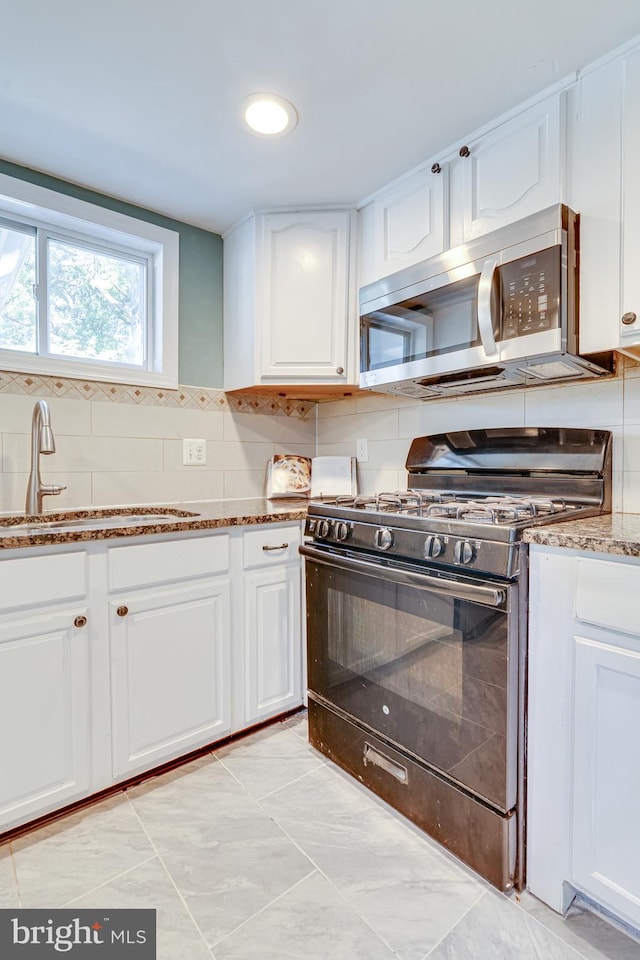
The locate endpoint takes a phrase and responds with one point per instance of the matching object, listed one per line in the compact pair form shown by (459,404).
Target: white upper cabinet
(510,172)
(289,300)
(603,186)
(409,220)
(630,308)
(492,180)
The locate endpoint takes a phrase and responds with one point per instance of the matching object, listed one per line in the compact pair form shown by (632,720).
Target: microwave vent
(553,370)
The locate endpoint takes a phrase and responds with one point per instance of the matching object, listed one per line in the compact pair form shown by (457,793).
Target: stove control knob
(433,547)
(323,528)
(341,530)
(463,552)
(383,538)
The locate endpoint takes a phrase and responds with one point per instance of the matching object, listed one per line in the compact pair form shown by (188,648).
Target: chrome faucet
(41,442)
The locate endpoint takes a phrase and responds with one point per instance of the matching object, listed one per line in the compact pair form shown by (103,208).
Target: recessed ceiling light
(268,114)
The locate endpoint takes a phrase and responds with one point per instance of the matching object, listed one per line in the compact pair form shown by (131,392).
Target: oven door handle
(478,593)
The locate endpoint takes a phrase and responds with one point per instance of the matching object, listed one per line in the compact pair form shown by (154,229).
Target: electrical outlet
(194,453)
(362,450)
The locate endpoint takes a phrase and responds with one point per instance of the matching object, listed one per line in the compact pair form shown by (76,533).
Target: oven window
(428,672)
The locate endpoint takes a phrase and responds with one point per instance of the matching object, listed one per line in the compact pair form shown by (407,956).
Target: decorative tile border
(190,398)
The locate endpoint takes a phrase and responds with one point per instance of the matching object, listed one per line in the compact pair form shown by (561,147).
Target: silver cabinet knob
(629,318)
(339,371)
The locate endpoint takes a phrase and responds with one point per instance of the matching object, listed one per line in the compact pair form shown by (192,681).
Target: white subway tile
(71,417)
(366,403)
(617,491)
(336,408)
(387,453)
(598,403)
(220,456)
(114,489)
(13,490)
(347,449)
(467,413)
(631,399)
(380,481)
(82,454)
(631,492)
(244,483)
(378,425)
(261,428)
(133,420)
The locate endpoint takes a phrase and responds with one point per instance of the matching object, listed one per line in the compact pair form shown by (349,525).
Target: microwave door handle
(485,318)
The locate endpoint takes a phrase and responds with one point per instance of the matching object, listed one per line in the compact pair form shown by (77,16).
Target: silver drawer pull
(281,546)
(371,755)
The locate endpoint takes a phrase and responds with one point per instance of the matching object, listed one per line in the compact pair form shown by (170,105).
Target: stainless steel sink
(96,521)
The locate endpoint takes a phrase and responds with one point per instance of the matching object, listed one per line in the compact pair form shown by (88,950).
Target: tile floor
(264,851)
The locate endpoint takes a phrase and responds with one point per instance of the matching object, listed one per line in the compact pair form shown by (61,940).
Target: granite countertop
(16,530)
(609,533)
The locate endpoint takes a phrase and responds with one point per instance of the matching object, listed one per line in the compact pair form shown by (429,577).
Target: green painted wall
(200,279)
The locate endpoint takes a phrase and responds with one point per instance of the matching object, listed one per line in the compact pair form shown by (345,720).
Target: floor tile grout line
(333,886)
(166,870)
(265,907)
(530,916)
(14,868)
(458,921)
(290,783)
(110,880)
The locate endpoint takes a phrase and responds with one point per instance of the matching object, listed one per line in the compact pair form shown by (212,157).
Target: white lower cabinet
(170,680)
(45,712)
(272,622)
(117,658)
(584,713)
(273,652)
(606,773)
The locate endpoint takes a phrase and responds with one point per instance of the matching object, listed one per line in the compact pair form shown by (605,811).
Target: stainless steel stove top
(470,494)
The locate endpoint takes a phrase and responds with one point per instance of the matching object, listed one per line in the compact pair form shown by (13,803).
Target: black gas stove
(417,629)
(470,494)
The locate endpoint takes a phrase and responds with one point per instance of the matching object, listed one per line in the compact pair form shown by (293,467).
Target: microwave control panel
(530,294)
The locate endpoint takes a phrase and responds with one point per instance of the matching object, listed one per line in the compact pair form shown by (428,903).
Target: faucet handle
(52,489)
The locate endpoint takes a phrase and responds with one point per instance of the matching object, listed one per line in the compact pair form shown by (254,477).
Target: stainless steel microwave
(500,311)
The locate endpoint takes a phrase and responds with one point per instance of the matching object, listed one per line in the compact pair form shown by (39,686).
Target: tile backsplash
(390,423)
(122,445)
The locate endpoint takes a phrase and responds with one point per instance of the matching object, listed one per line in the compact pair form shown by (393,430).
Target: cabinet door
(169,672)
(512,171)
(272,642)
(606,837)
(409,221)
(44,713)
(304,296)
(594,142)
(630,331)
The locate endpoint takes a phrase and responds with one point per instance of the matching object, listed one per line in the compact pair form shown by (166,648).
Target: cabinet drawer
(270,545)
(607,594)
(136,566)
(33,581)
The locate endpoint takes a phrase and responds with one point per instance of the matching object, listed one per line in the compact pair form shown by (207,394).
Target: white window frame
(91,223)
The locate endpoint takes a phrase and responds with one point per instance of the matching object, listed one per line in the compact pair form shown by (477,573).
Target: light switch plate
(194,453)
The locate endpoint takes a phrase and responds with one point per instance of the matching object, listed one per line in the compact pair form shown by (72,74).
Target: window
(85,292)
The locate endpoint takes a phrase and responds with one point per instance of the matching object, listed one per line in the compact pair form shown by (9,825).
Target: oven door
(429,662)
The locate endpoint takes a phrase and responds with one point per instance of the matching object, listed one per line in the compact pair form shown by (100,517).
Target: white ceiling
(140,98)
